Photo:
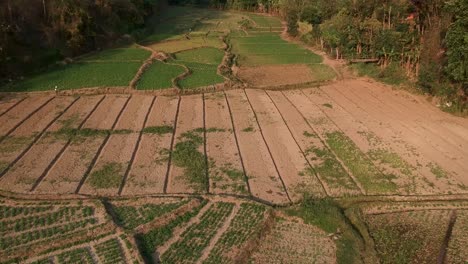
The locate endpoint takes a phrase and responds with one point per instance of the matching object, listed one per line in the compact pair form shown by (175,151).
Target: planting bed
(225,170)
(187,172)
(149,170)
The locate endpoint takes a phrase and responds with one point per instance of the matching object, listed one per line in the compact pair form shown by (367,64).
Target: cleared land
(272,144)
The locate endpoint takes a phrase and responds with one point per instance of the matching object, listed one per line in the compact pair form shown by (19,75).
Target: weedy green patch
(248,129)
(159,130)
(362,168)
(330,169)
(330,217)
(13,143)
(328,105)
(187,156)
(107,177)
(438,171)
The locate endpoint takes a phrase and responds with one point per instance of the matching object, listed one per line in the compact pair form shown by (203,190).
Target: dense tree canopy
(37,32)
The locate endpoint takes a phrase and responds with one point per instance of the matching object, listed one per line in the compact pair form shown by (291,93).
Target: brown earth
(9,103)
(150,166)
(271,135)
(225,167)
(264,180)
(190,117)
(275,75)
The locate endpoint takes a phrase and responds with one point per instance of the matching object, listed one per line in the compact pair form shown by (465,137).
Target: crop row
(131,216)
(80,255)
(110,251)
(32,236)
(65,214)
(195,239)
(9,211)
(157,237)
(246,222)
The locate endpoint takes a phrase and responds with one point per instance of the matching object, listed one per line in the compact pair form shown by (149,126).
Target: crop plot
(264,180)
(150,167)
(30,228)
(159,75)
(325,169)
(245,224)
(187,173)
(225,170)
(289,160)
(295,242)
(196,42)
(414,236)
(192,242)
(456,251)
(68,170)
(110,68)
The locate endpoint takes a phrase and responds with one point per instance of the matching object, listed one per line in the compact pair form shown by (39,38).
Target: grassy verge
(322,72)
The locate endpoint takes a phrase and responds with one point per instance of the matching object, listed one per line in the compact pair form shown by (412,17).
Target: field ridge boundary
(168,171)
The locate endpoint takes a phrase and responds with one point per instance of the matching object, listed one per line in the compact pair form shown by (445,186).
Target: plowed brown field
(349,138)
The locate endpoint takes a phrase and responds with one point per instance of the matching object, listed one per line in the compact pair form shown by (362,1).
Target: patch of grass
(3,165)
(202,75)
(310,135)
(322,72)
(159,75)
(159,130)
(203,55)
(233,173)
(330,169)
(78,75)
(148,242)
(392,75)
(187,156)
(122,54)
(107,177)
(13,143)
(392,159)
(328,105)
(215,130)
(265,21)
(330,217)
(362,168)
(185,44)
(437,170)
(248,129)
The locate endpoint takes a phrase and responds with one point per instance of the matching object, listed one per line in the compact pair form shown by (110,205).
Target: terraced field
(350,171)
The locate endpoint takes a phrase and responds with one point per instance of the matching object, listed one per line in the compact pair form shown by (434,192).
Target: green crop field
(202,75)
(159,75)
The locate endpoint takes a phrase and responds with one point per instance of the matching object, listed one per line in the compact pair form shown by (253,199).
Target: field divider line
(65,147)
(13,106)
(25,119)
(137,147)
(39,136)
(445,244)
(204,146)
(268,147)
(246,178)
(168,171)
(57,157)
(325,144)
(98,153)
(295,140)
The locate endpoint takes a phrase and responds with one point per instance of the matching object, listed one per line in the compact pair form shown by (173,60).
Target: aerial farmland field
(209,142)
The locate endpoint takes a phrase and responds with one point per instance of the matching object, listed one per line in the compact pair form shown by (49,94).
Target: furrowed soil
(108,173)
(70,168)
(264,180)
(225,166)
(150,167)
(189,144)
